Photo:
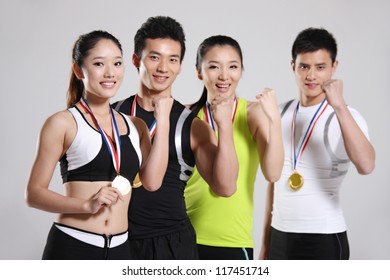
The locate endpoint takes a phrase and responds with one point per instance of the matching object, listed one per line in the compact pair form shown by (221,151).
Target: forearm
(153,169)
(359,149)
(225,168)
(51,201)
(273,158)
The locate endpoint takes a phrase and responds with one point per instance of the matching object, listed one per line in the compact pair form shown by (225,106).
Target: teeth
(108,83)
(161,78)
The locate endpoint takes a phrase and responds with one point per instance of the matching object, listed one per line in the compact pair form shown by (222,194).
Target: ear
(334,66)
(77,71)
(293,65)
(200,77)
(135,61)
(179,70)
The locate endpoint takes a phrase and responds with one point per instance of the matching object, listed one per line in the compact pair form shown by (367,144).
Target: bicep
(51,146)
(258,126)
(144,140)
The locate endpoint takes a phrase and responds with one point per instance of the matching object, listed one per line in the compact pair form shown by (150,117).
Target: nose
(109,71)
(310,74)
(223,76)
(162,65)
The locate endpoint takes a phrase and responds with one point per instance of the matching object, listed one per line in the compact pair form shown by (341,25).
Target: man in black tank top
(158,223)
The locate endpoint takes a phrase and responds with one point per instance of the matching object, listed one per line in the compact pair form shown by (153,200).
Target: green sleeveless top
(221,221)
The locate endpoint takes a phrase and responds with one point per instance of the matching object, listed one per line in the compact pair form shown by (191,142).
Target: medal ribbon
(152,128)
(115,153)
(308,133)
(209,116)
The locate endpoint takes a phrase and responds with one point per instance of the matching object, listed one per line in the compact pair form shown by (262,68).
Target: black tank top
(163,211)
(88,158)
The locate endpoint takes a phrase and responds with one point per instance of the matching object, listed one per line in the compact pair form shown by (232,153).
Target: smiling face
(311,70)
(102,70)
(159,65)
(221,70)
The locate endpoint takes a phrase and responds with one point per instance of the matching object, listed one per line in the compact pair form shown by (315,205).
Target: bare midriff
(108,220)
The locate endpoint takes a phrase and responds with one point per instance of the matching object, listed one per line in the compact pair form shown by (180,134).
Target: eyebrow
(318,64)
(158,53)
(103,57)
(214,61)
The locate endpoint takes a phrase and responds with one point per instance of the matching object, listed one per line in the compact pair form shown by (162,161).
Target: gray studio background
(35,57)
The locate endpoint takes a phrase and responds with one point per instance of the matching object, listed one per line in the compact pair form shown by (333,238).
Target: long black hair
(80,51)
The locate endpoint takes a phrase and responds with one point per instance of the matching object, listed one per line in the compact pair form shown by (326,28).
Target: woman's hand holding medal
(106,196)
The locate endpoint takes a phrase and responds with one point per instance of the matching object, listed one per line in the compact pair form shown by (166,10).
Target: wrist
(86,207)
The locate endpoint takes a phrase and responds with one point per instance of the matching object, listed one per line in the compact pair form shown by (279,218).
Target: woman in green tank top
(224,225)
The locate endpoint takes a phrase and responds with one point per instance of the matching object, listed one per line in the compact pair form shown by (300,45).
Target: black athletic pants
(61,246)
(308,246)
(224,253)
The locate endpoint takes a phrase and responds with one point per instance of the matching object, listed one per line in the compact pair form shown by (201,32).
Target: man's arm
(358,148)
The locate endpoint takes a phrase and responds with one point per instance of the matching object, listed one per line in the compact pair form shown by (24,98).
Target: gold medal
(137,181)
(122,184)
(295,181)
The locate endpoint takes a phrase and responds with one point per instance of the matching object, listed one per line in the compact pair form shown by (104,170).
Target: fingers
(221,100)
(267,92)
(267,98)
(332,84)
(268,103)
(108,196)
(163,101)
(162,106)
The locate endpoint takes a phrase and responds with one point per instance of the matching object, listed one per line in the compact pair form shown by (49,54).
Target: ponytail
(75,90)
(197,106)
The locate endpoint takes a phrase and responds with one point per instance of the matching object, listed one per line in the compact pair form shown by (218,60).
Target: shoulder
(356,114)
(60,119)
(181,112)
(251,106)
(59,127)
(139,124)
(283,106)
(200,129)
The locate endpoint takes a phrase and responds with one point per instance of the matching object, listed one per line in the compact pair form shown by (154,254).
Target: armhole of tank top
(245,102)
(76,115)
(184,167)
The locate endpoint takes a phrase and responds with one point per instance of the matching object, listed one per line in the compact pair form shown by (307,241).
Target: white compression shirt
(315,208)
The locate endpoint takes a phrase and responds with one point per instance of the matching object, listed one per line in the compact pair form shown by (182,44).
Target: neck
(306,101)
(98,106)
(147,96)
(145,101)
(211,98)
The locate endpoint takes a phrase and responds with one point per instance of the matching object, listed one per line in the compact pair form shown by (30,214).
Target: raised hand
(268,102)
(221,108)
(333,90)
(162,107)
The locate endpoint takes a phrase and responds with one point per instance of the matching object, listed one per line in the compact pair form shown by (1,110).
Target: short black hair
(159,27)
(314,39)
